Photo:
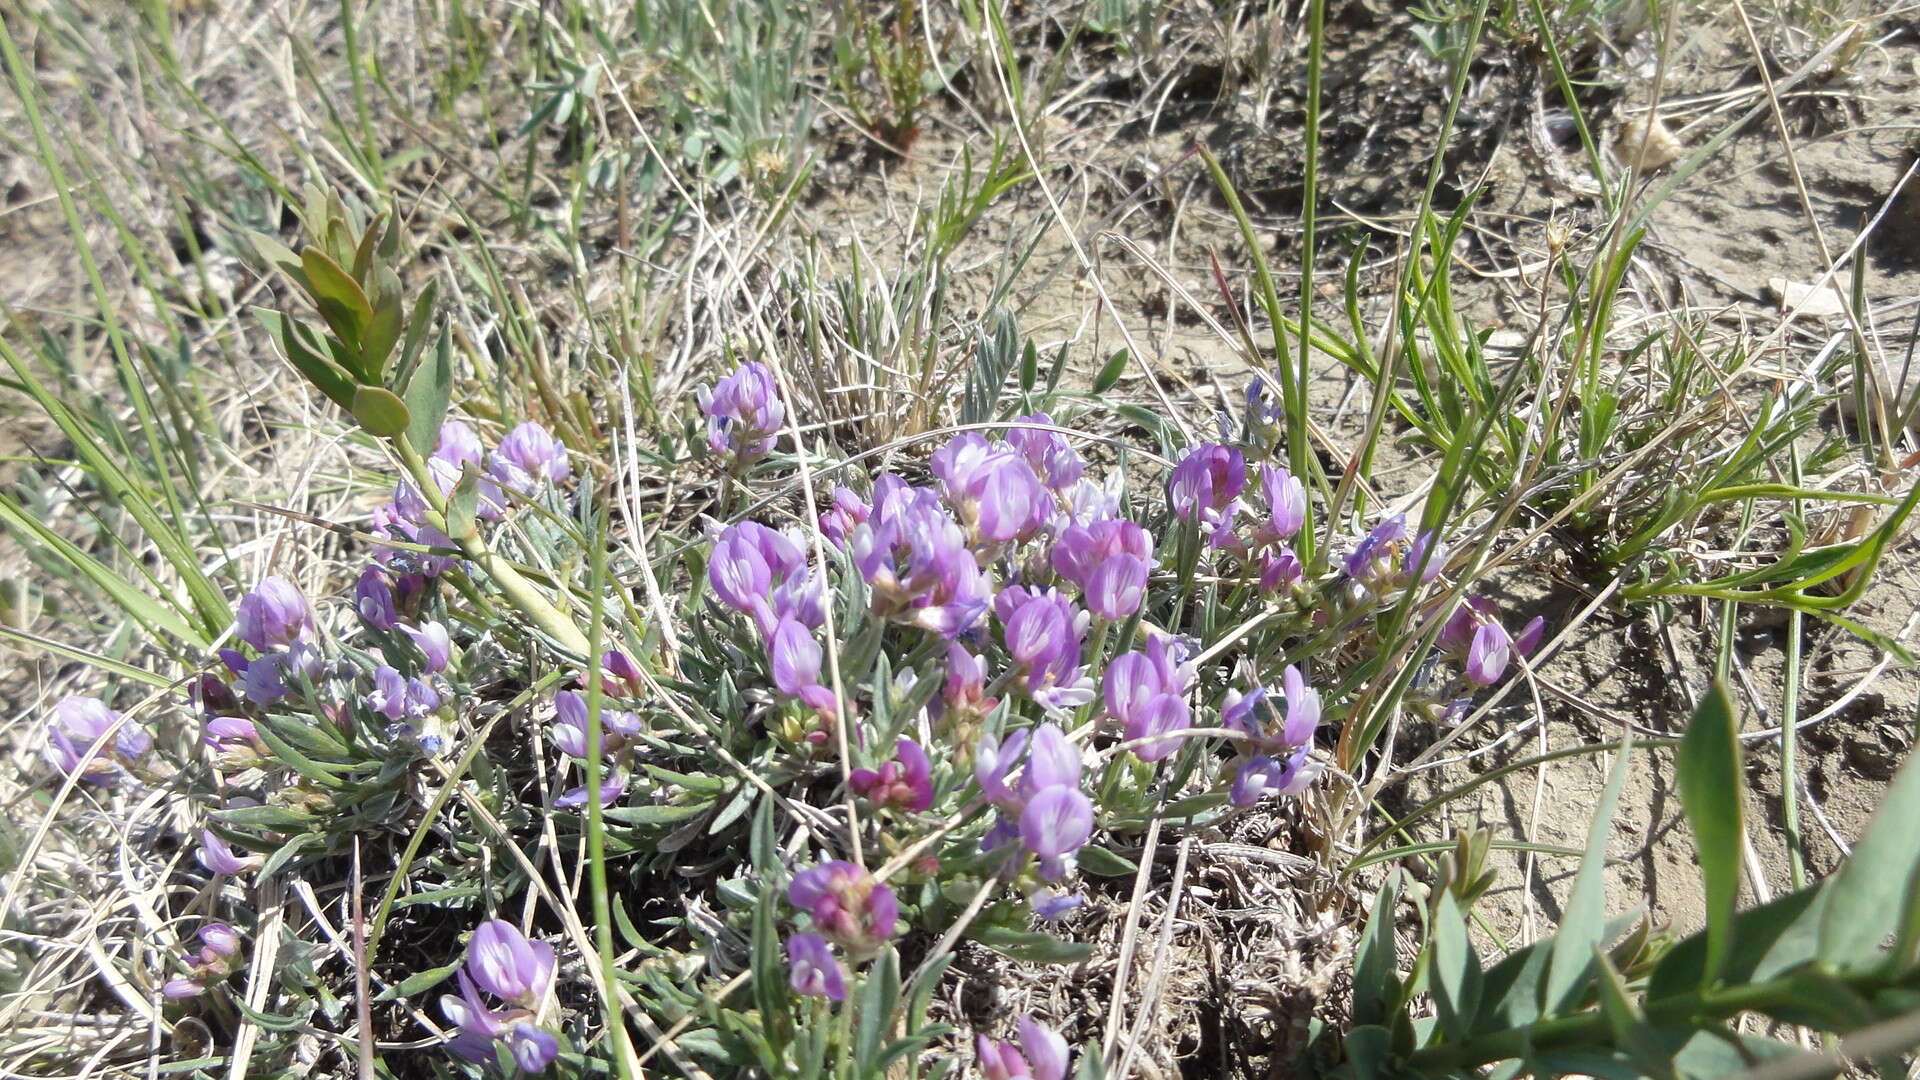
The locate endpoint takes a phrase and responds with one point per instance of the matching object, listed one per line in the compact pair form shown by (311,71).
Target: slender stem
(596,821)
(516,588)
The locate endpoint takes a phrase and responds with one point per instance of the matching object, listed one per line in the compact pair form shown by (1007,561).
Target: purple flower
(217,857)
(234,742)
(964,692)
(611,787)
(274,615)
(504,963)
(1286,502)
(219,939)
(263,680)
(530,455)
(76,724)
(1419,559)
(458,452)
(1042,1055)
(402,520)
(617,727)
(763,573)
(992,488)
(1117,587)
(433,642)
(815,972)
(518,971)
(905,782)
(794,658)
(994,762)
(373,599)
(399,698)
(1372,560)
(1487,654)
(1263,409)
(1146,692)
(1052,458)
(1209,477)
(1530,636)
(1056,821)
(1082,550)
(1042,632)
(1257,776)
(1252,714)
(1045,808)
(917,561)
(743,412)
(1280,570)
(1053,906)
(846,905)
(621,674)
(212,963)
(1052,761)
(847,513)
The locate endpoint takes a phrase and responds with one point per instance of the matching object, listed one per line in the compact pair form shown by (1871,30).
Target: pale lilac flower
(403,520)
(1372,560)
(1056,822)
(846,905)
(1117,588)
(1086,503)
(1474,635)
(262,680)
(1429,565)
(1209,477)
(1052,906)
(994,762)
(518,971)
(815,973)
(1487,654)
(905,782)
(1146,692)
(399,698)
(1052,761)
(528,455)
(76,724)
(1260,775)
(1272,760)
(992,488)
(612,786)
(217,857)
(744,412)
(1043,631)
(763,573)
(1264,410)
(212,963)
(274,615)
(373,599)
(617,727)
(433,642)
(621,675)
(964,691)
(458,452)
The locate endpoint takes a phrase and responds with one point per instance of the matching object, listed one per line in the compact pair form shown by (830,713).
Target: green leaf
(656,815)
(1455,971)
(769,987)
(275,818)
(380,411)
(1376,990)
(1030,947)
(1713,794)
(428,391)
(1879,883)
(1764,945)
(419,982)
(342,303)
(1570,962)
(1628,1024)
(288,851)
(383,328)
(1110,372)
(155,617)
(878,995)
(1103,863)
(1370,1051)
(328,377)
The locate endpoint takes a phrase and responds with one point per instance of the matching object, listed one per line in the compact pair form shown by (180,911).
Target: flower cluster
(743,413)
(503,963)
(217,957)
(1043,808)
(77,725)
(1273,757)
(1041,1055)
(846,907)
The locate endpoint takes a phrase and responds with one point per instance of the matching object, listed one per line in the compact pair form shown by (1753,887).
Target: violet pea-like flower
(1286,500)
(510,966)
(847,513)
(217,857)
(1082,550)
(813,970)
(744,412)
(794,658)
(1209,477)
(846,905)
(373,599)
(274,615)
(1117,588)
(1050,455)
(433,642)
(529,454)
(76,724)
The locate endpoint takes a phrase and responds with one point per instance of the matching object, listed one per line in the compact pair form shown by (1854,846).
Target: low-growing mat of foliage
(1086,539)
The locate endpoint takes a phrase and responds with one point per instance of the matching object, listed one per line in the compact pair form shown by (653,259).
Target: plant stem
(517,589)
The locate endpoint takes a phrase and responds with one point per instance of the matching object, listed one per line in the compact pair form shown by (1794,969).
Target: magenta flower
(218,858)
(528,456)
(621,676)
(846,905)
(1042,1055)
(815,973)
(1209,477)
(744,412)
(274,615)
(433,642)
(76,724)
(905,782)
